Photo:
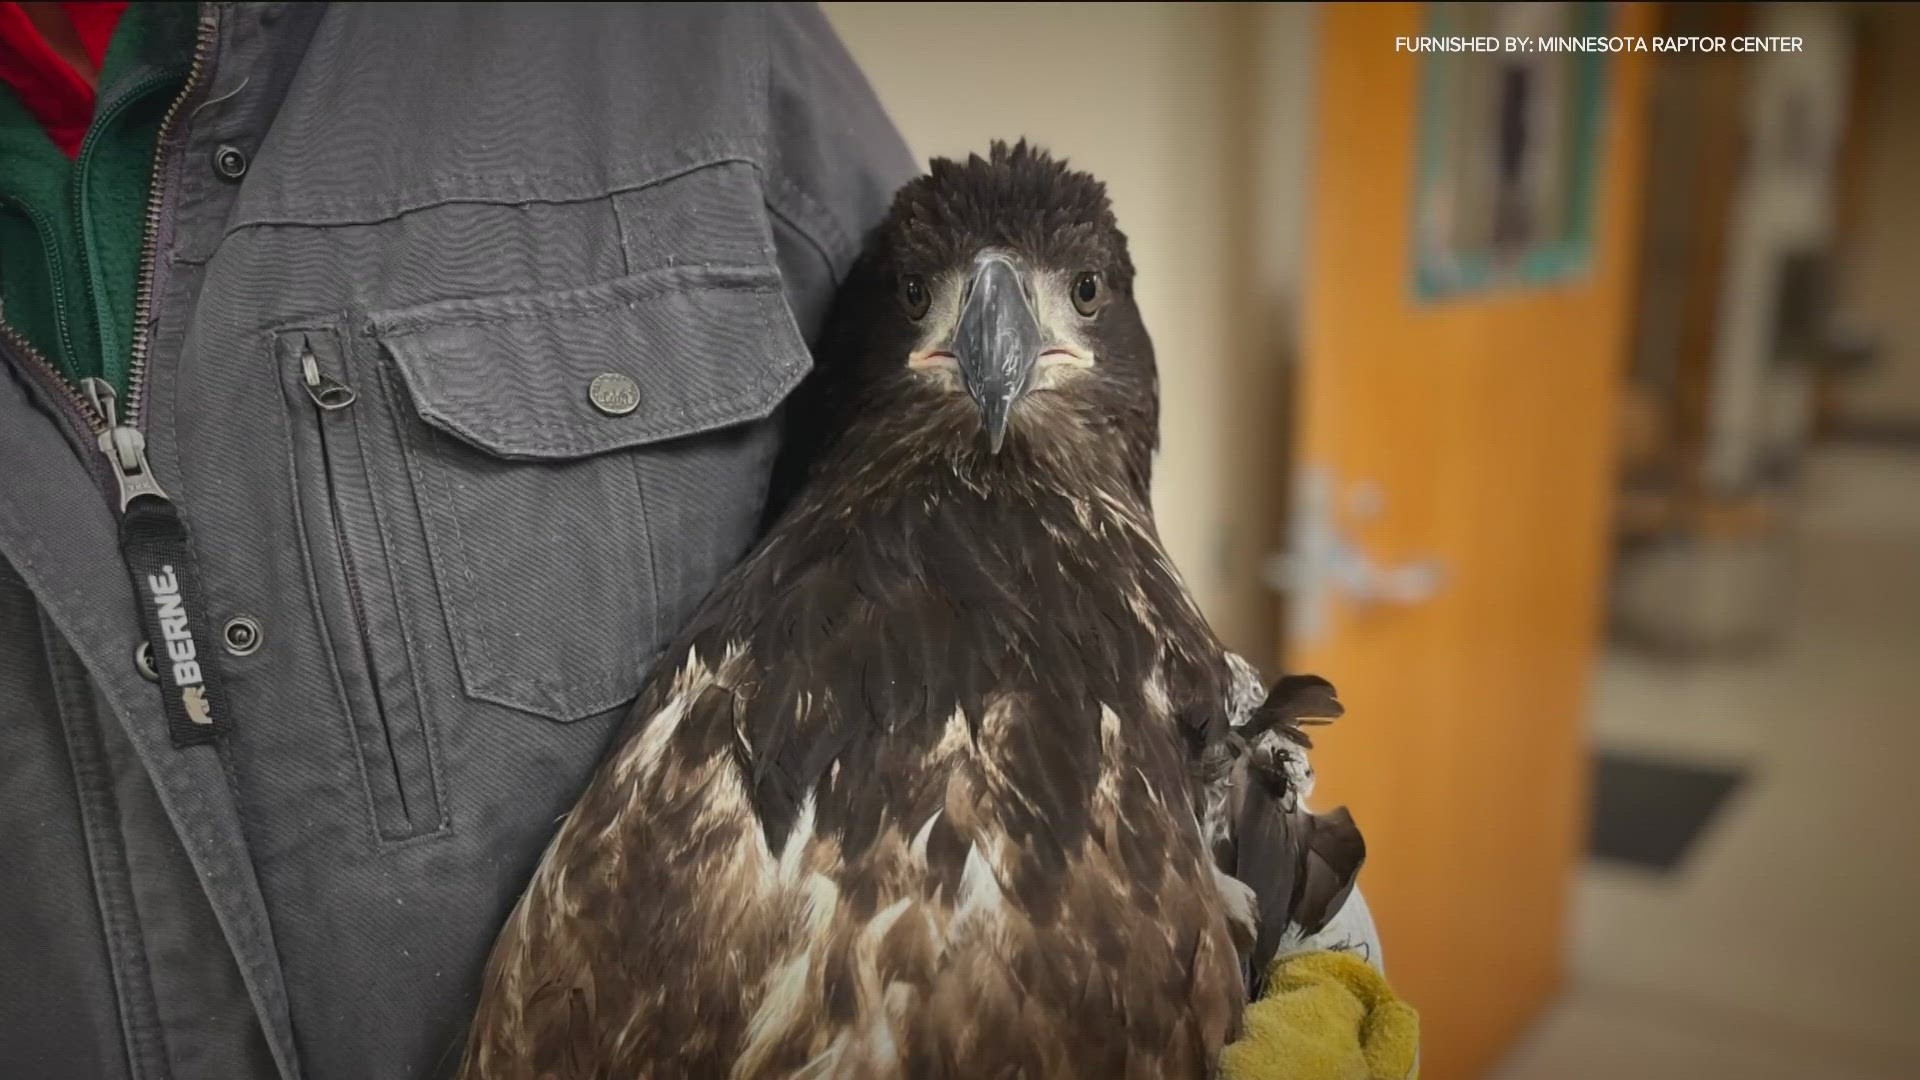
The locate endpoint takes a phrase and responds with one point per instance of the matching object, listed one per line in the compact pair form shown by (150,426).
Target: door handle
(1361,579)
(1322,562)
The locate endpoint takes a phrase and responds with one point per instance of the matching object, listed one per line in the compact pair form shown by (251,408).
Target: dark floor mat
(1649,813)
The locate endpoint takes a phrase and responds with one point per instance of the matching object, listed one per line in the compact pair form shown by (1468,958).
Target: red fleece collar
(47,85)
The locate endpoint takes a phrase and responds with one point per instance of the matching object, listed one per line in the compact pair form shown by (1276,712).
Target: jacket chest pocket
(543,482)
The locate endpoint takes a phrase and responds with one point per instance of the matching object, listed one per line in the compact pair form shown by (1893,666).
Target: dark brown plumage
(935,782)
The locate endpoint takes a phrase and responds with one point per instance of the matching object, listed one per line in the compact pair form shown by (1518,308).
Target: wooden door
(1483,427)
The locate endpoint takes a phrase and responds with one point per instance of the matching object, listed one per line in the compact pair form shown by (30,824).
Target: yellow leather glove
(1326,1016)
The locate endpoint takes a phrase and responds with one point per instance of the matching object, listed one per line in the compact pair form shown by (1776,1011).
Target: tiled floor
(1788,945)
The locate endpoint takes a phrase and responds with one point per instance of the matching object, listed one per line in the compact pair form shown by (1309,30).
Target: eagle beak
(997,342)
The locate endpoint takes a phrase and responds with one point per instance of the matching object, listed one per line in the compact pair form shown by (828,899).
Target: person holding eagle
(386,385)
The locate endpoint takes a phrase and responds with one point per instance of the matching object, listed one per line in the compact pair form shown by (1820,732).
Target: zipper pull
(326,391)
(124,445)
(166,577)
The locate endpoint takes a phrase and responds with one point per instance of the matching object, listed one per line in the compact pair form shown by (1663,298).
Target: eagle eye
(1089,292)
(915,297)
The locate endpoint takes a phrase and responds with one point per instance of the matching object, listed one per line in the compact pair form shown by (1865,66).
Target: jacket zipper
(154,540)
(317,389)
(78,195)
(76,410)
(61,388)
(330,395)
(150,242)
(124,445)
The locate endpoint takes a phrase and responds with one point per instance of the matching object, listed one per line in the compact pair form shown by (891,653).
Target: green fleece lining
(71,230)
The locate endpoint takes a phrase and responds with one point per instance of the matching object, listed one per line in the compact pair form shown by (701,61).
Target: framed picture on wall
(1509,149)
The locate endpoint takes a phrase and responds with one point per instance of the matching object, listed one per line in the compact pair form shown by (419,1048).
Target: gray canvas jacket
(461,217)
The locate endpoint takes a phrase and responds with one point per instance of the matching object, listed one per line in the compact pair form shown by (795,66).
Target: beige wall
(1882,280)
(1142,96)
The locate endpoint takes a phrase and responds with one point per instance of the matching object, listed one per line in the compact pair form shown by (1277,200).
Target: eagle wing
(1299,866)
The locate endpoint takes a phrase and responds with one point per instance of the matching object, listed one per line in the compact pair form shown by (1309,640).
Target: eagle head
(992,322)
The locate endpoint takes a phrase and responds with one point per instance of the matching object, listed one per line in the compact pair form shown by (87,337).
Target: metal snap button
(143,660)
(614,394)
(242,634)
(230,161)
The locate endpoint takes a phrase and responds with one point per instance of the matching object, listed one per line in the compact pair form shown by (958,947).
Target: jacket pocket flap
(636,360)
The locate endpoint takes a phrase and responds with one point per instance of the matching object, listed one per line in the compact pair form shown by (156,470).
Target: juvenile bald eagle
(940,782)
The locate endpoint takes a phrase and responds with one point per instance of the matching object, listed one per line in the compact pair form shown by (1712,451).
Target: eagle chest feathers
(918,797)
